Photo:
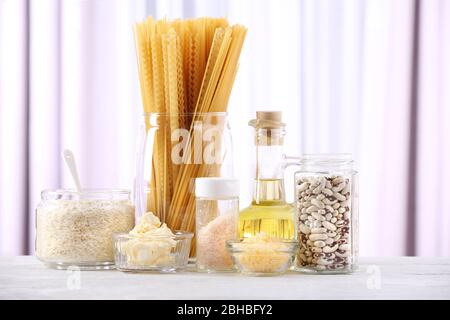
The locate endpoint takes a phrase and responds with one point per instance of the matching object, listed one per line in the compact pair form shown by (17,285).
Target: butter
(149,222)
(152,243)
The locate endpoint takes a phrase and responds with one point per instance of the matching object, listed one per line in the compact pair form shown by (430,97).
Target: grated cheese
(262,254)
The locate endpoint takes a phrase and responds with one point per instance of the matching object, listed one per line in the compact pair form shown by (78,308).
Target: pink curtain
(368,77)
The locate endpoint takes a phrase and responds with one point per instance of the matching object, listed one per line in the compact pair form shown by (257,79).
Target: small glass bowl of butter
(154,253)
(262,255)
(152,246)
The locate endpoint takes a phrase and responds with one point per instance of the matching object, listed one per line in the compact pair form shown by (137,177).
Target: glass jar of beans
(326,189)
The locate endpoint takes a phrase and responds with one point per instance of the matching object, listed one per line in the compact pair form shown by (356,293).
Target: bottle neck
(269,181)
(269,192)
(269,162)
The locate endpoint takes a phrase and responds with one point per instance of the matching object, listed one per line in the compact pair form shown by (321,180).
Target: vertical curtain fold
(44,103)
(411,208)
(14,119)
(433,142)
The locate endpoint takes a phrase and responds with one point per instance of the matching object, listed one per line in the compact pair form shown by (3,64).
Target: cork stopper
(268,120)
(269,115)
(269,128)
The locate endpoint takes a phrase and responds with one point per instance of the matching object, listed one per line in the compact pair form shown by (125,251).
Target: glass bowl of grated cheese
(152,247)
(262,255)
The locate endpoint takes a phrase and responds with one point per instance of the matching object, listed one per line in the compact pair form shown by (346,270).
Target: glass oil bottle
(269,212)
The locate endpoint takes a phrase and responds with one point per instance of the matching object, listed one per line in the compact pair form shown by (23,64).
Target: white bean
(329,226)
(311,209)
(342,255)
(316,224)
(317,190)
(319,204)
(339,187)
(319,244)
(303,187)
(318,230)
(324,262)
(317,216)
(318,236)
(328,249)
(339,196)
(304,229)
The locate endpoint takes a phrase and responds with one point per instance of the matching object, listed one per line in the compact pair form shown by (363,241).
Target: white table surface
(24,277)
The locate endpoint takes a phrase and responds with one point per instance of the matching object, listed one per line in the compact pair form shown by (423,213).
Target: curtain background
(369,77)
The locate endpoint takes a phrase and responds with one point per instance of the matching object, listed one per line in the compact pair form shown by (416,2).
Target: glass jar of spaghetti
(174,150)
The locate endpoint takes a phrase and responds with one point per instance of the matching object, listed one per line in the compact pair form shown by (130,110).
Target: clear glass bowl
(262,258)
(152,254)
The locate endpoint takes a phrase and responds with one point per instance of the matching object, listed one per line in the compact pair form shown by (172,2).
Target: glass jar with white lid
(217,218)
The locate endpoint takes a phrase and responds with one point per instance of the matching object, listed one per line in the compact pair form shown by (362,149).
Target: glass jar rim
(327,158)
(87,191)
(178,234)
(186,114)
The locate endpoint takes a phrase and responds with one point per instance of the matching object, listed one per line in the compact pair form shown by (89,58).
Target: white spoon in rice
(69,159)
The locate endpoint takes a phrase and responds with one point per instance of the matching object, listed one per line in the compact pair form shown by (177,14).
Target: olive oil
(272,218)
(269,212)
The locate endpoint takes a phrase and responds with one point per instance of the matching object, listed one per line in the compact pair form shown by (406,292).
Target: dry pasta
(185,66)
